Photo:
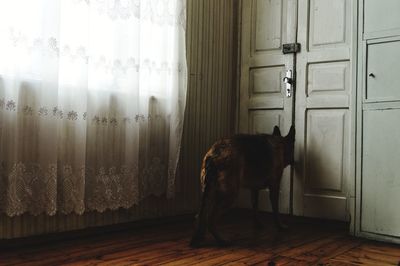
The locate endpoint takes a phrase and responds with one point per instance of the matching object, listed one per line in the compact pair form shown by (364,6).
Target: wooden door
(378,196)
(324,109)
(266,25)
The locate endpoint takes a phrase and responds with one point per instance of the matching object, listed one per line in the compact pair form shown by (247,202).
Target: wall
(210,112)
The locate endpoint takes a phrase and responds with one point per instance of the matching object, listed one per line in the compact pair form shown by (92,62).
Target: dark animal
(249,161)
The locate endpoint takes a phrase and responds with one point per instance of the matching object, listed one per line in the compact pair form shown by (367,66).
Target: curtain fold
(92,96)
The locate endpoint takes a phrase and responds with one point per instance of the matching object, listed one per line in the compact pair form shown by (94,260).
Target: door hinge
(291,48)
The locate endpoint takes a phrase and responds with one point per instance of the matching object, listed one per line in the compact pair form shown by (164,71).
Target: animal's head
(288,142)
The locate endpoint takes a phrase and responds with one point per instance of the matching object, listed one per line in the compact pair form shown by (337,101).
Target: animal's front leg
(274,197)
(254,201)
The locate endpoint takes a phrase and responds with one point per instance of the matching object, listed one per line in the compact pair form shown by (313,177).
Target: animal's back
(241,161)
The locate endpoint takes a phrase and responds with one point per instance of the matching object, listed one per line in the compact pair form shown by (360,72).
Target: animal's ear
(291,133)
(276,132)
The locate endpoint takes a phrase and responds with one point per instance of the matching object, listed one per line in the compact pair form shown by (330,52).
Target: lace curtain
(92,95)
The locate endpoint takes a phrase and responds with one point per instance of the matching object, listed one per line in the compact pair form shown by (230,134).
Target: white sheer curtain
(92,94)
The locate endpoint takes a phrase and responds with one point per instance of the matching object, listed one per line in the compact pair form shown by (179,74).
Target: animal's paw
(282,227)
(195,242)
(223,243)
(257,225)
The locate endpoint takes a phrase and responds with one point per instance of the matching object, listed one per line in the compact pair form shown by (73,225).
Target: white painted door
(266,25)
(324,169)
(323,101)
(378,197)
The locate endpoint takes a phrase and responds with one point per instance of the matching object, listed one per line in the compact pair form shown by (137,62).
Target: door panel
(325,153)
(328,78)
(382,67)
(265,87)
(323,108)
(260,121)
(378,25)
(381,178)
(268,18)
(266,25)
(327,23)
(326,158)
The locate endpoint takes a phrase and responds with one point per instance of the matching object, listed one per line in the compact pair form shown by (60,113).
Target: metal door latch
(288,80)
(291,48)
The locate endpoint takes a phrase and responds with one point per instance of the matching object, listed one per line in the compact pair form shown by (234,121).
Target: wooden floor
(307,242)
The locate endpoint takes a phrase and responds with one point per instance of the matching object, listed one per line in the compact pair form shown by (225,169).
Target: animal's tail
(210,178)
(211,171)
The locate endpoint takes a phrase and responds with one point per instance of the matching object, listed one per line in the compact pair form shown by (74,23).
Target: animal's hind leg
(216,213)
(254,201)
(200,231)
(203,216)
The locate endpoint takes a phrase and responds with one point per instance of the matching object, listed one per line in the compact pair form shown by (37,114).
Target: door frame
(352,206)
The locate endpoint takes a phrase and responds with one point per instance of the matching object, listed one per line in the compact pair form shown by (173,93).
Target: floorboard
(307,242)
